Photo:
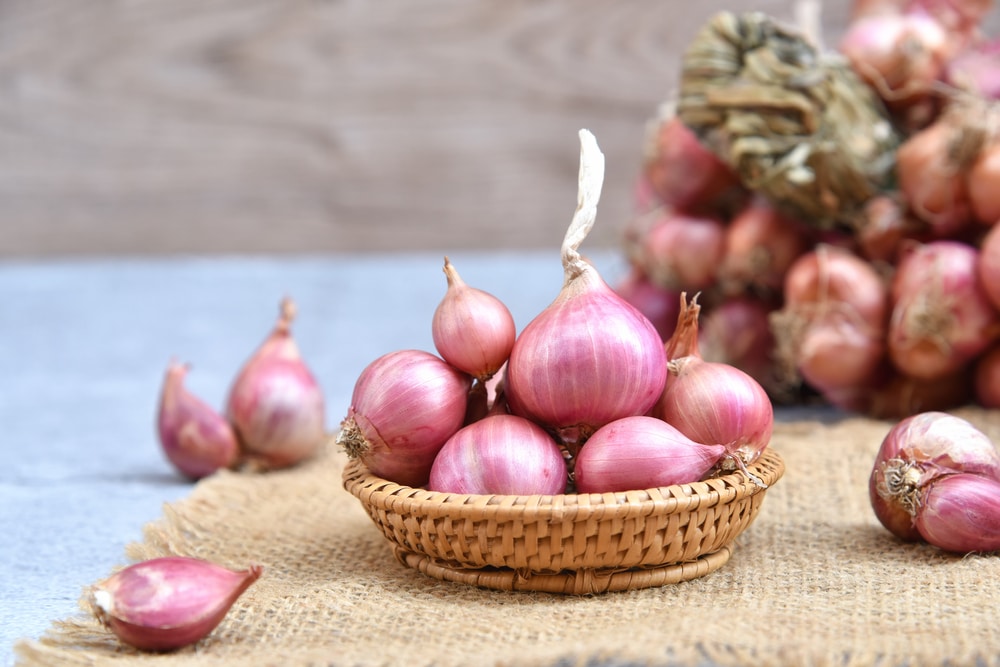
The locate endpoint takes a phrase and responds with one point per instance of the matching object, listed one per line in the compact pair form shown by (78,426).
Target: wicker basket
(572,543)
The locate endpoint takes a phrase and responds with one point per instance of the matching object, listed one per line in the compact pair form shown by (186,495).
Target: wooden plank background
(235,126)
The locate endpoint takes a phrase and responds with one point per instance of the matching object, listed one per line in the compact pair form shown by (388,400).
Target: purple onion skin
(586,360)
(641,452)
(195,438)
(501,455)
(960,513)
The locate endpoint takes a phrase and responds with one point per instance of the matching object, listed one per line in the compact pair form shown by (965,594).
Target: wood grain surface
(238,126)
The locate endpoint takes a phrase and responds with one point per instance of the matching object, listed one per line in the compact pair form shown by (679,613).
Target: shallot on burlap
(815,580)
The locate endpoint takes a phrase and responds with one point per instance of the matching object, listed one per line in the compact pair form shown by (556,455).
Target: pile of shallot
(274,415)
(586,398)
(895,313)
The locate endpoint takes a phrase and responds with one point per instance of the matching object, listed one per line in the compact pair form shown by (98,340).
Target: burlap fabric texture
(814,581)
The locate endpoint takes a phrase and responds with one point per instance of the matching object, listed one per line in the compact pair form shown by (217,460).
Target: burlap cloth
(814,581)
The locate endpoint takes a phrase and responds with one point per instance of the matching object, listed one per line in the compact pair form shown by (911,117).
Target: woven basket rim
(376,491)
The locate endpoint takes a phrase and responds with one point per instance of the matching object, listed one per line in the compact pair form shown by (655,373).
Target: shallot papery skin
(275,402)
(916,451)
(961,513)
(717,404)
(167,603)
(641,452)
(942,317)
(590,357)
(472,329)
(195,437)
(405,406)
(502,455)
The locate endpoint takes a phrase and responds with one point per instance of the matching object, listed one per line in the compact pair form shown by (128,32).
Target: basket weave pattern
(543,535)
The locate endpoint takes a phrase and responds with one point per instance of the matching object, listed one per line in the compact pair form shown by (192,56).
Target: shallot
(472,329)
(932,176)
(683,172)
(761,243)
(831,330)
(941,317)
(500,454)
(275,403)
(714,403)
(960,513)
(914,453)
(981,182)
(976,70)
(884,228)
(405,406)
(641,452)
(590,357)
(986,378)
(659,305)
(738,332)
(989,265)
(170,602)
(195,438)
(899,54)
(683,250)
